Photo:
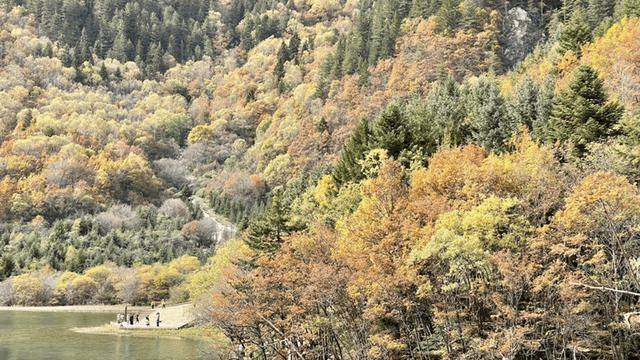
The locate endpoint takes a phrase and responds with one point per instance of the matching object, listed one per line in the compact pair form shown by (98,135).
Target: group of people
(131,319)
(134,318)
(153,304)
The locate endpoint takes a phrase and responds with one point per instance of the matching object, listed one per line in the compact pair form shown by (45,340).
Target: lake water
(47,336)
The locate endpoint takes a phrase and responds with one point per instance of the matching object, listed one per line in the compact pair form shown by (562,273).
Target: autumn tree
(588,251)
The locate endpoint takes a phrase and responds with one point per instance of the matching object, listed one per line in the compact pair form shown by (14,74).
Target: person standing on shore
(158,319)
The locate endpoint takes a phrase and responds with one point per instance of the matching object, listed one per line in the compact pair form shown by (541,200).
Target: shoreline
(76,308)
(203,334)
(195,333)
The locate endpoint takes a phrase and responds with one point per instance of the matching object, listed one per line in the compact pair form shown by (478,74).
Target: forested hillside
(409,179)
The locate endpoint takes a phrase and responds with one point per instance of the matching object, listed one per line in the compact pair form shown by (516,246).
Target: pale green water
(47,336)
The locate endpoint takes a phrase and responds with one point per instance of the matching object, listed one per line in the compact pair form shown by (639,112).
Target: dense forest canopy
(331,179)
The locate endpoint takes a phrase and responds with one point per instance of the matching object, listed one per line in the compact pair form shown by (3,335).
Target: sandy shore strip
(165,333)
(77,308)
(113,330)
(205,334)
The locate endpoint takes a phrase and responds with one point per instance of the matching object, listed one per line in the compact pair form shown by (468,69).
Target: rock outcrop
(519,36)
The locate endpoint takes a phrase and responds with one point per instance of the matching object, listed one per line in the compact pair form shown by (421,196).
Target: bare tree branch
(604,288)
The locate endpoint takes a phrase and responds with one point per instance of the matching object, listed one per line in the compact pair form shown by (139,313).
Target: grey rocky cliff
(520,35)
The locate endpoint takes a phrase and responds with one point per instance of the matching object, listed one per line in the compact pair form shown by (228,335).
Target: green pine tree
(390,131)
(424,137)
(544,105)
(569,7)
(83,53)
(282,58)
(104,74)
(336,71)
(445,108)
(246,34)
(630,8)
(575,33)
(448,16)
(486,115)
(266,232)
(139,53)
(348,168)
(78,75)
(154,64)
(325,77)
(469,17)
(357,44)
(599,10)
(7,266)
(48,50)
(122,47)
(378,29)
(390,36)
(363,74)
(521,107)
(294,47)
(582,113)
(424,8)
